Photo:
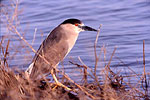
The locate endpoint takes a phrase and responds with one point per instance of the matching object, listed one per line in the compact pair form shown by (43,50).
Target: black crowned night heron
(55,47)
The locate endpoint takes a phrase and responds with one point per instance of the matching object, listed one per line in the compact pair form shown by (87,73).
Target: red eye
(76,24)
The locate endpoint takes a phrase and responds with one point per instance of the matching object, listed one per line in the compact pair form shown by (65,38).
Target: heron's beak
(87,28)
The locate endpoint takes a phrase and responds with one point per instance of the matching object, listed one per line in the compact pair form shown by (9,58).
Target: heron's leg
(57,82)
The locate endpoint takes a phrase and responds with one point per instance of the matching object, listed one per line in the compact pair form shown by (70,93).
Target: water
(125,24)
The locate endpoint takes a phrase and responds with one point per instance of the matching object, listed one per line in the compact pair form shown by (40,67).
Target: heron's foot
(61,85)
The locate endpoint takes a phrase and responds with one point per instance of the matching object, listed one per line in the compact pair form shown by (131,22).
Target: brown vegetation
(15,84)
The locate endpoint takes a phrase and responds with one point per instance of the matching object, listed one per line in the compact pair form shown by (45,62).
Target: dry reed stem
(108,65)
(126,65)
(145,79)
(34,36)
(85,66)
(95,52)
(96,58)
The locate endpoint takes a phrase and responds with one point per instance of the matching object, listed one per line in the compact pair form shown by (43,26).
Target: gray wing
(54,48)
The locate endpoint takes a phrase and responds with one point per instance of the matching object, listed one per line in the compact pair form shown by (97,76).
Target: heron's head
(75,25)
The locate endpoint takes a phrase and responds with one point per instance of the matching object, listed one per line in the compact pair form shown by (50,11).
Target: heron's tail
(29,69)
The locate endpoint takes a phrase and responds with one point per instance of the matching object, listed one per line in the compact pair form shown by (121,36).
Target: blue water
(125,24)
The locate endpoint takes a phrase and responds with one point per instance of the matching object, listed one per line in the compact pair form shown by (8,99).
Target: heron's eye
(76,24)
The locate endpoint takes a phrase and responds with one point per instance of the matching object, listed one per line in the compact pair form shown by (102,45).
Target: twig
(95,77)
(85,67)
(6,53)
(78,64)
(34,36)
(1,50)
(80,87)
(108,65)
(96,58)
(145,79)
(95,52)
(84,70)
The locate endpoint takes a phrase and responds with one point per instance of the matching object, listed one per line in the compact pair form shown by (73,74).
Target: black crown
(72,21)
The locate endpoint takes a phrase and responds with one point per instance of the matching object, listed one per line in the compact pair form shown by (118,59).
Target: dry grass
(15,84)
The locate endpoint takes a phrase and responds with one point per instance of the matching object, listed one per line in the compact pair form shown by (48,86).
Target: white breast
(71,41)
(72,33)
